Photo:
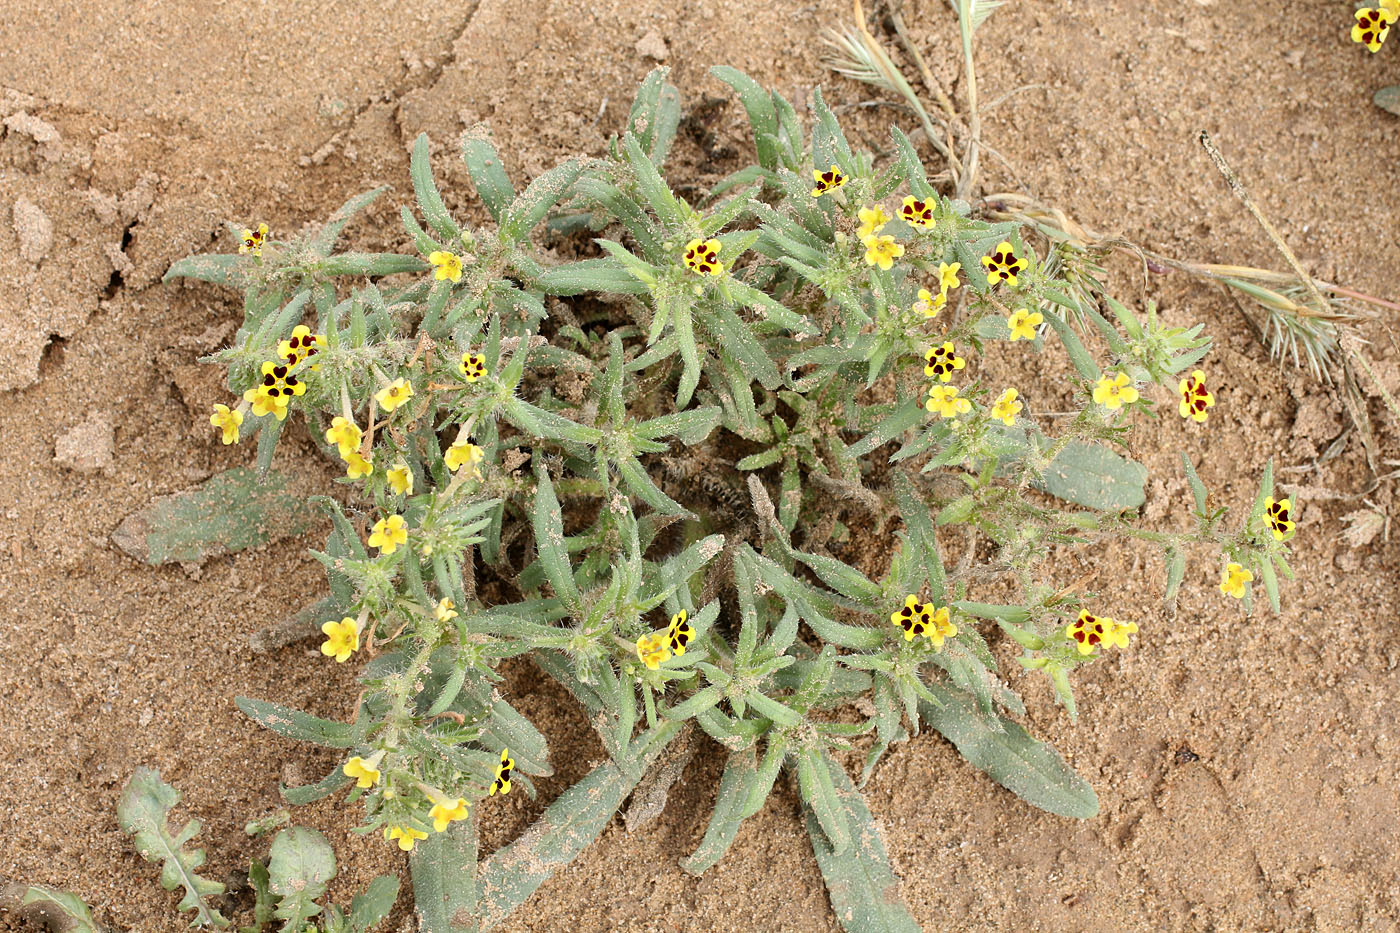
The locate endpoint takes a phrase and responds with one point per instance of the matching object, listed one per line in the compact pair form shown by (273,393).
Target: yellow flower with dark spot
(394,394)
(940,626)
(472,367)
(503,770)
(227,420)
(464,453)
(1194,397)
(1003,265)
(702,257)
(1118,632)
(882,251)
(1022,324)
(388,534)
(448,812)
(679,633)
(827,181)
(275,391)
(942,362)
(365,773)
(406,835)
(1088,631)
(916,213)
(1280,517)
(345,435)
(300,345)
(445,610)
(342,639)
(400,478)
(1233,579)
(1007,408)
(1115,391)
(1373,24)
(872,221)
(356,466)
(652,649)
(914,618)
(446,266)
(251,241)
(944,400)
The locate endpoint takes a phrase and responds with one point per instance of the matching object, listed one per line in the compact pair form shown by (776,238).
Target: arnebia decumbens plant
(656,461)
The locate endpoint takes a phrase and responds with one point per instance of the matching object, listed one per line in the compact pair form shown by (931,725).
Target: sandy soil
(1247,768)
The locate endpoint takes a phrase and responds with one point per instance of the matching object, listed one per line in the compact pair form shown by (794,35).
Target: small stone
(653,46)
(86,448)
(34,230)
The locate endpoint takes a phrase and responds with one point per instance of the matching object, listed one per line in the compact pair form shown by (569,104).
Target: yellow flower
(227,420)
(1194,397)
(929,304)
(252,240)
(1088,631)
(472,367)
(1118,632)
(300,345)
(1280,517)
(344,434)
(443,814)
(394,394)
(1115,391)
(945,401)
(388,534)
(679,633)
(1233,579)
(872,221)
(882,251)
(503,770)
(1023,323)
(445,610)
(1007,408)
(1373,25)
(400,479)
(1003,265)
(942,362)
(652,649)
(446,266)
(342,640)
(827,181)
(702,257)
(406,835)
(914,617)
(916,213)
(941,626)
(464,453)
(357,466)
(274,392)
(365,773)
(948,276)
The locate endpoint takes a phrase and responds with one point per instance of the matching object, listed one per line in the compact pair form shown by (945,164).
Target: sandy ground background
(1247,768)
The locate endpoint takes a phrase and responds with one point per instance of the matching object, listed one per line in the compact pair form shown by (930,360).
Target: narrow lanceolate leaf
(217,268)
(541,195)
(735,785)
(488,174)
(1094,476)
(758,104)
(301,865)
(1030,769)
(566,828)
(549,538)
(443,868)
(862,886)
(227,513)
(369,908)
(56,911)
(143,813)
(302,727)
(429,201)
